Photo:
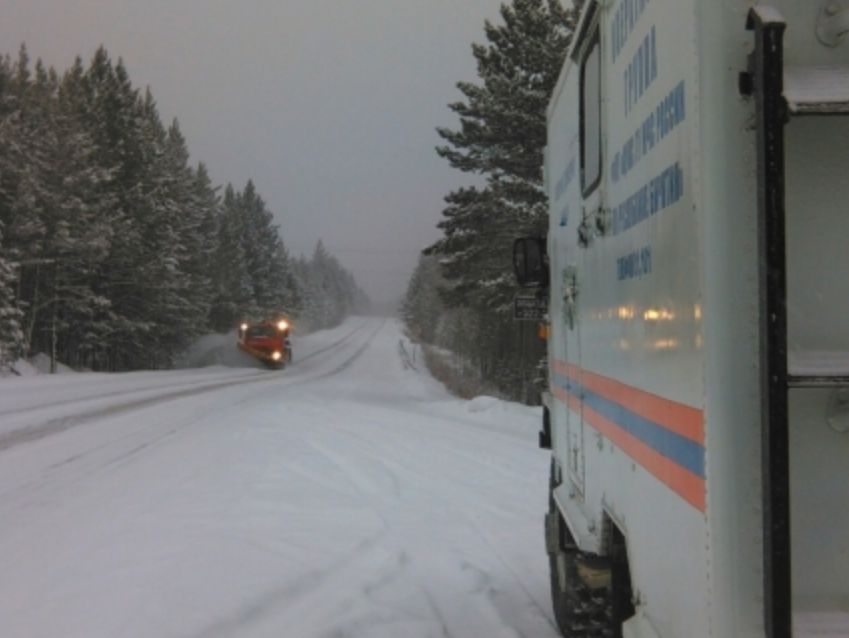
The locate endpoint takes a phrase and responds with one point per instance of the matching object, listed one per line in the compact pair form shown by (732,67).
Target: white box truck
(697,267)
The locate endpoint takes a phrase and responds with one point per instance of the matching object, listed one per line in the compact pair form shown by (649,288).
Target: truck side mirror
(530,262)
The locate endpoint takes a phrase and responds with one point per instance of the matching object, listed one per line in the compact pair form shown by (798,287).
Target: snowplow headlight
(283,325)
(276,356)
(244,326)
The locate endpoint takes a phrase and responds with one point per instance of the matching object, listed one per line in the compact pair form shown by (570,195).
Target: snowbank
(39,364)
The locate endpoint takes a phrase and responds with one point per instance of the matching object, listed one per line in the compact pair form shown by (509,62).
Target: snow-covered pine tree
(153,296)
(11,335)
(266,257)
(323,279)
(475,250)
(114,116)
(303,292)
(178,298)
(422,307)
(327,291)
(502,136)
(502,133)
(50,211)
(285,299)
(23,161)
(233,293)
(79,186)
(252,273)
(203,211)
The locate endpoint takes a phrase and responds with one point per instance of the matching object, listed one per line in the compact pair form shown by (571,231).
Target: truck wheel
(580,612)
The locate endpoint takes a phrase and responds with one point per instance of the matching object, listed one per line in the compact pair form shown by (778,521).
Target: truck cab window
(591,160)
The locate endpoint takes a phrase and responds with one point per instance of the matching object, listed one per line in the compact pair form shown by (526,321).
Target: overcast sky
(330,106)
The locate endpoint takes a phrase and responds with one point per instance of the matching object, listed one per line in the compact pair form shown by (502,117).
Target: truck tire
(579,611)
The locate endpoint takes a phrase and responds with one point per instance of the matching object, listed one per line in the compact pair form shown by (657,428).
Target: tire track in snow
(69,403)
(289,598)
(122,448)
(367,488)
(345,364)
(61,424)
(436,485)
(55,426)
(370,466)
(335,344)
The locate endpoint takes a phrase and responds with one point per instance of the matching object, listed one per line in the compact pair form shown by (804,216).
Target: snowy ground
(343,496)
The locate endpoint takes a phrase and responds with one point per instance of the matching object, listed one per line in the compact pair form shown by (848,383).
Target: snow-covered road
(343,496)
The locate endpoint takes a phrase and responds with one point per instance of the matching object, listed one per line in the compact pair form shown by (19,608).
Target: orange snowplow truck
(268,341)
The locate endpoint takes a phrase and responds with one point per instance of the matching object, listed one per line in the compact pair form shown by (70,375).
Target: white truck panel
(655,359)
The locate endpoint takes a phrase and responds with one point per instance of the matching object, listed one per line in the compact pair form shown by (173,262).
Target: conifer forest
(115,252)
